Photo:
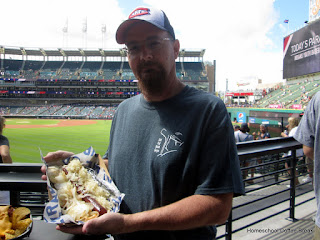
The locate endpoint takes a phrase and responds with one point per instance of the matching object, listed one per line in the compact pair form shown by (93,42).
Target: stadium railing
(268,187)
(23,180)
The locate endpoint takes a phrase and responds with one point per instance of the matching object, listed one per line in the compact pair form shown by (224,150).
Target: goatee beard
(151,81)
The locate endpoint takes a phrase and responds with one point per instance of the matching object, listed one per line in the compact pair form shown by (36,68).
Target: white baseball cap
(151,15)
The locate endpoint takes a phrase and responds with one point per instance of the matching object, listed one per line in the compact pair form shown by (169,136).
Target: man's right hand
(54,156)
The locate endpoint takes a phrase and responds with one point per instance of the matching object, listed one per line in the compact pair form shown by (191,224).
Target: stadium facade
(50,77)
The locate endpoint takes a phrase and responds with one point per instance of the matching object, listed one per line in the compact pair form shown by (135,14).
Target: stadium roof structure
(79,52)
(193,53)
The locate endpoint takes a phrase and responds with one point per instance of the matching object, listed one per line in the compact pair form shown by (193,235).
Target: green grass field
(25,142)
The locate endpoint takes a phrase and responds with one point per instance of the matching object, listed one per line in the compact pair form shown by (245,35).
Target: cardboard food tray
(94,162)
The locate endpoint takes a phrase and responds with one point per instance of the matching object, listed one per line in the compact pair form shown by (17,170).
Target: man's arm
(308,151)
(191,212)
(5,154)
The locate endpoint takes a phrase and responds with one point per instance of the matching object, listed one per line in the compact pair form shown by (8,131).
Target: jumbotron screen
(301,51)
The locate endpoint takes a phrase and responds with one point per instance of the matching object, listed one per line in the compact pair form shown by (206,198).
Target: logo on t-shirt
(168,143)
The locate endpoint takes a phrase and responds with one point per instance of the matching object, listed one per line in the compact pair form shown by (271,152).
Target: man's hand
(109,223)
(54,156)
(191,212)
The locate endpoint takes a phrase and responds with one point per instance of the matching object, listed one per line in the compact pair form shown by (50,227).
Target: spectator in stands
(243,136)
(263,134)
(236,127)
(235,120)
(310,169)
(4,158)
(179,180)
(292,127)
(308,134)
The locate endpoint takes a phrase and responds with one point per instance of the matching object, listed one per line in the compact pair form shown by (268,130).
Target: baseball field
(28,136)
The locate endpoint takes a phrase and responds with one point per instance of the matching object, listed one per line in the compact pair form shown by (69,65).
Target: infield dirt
(62,123)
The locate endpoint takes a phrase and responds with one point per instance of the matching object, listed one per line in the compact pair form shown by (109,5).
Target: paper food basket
(89,159)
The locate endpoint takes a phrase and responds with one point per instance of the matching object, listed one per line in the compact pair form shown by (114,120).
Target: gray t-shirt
(308,133)
(162,152)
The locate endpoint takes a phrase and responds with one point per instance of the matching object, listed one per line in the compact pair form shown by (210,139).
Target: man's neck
(171,90)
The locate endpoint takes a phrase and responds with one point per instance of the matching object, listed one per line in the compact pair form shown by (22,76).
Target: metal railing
(272,183)
(264,157)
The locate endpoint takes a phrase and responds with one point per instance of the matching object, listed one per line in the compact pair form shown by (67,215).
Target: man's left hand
(109,223)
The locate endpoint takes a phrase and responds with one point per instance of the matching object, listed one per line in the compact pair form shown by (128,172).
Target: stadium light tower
(225,93)
(84,33)
(65,35)
(103,32)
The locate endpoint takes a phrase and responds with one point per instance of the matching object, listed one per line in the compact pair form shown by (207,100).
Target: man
(171,151)
(243,135)
(308,134)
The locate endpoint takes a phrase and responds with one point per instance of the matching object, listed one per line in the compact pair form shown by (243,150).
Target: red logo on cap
(139,12)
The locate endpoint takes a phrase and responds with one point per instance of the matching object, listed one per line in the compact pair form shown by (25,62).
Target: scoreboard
(301,51)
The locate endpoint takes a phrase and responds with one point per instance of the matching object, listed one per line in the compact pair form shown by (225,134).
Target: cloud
(233,32)
(39,23)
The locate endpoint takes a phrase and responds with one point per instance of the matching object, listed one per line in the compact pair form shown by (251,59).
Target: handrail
(270,149)
(266,146)
(21,167)
(246,151)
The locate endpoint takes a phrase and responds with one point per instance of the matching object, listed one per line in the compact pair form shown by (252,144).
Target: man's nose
(145,53)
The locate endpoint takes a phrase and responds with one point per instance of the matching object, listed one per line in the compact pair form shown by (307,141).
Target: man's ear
(176,48)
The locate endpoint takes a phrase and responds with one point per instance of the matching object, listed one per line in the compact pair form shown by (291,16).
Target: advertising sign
(296,106)
(252,120)
(241,117)
(275,106)
(301,51)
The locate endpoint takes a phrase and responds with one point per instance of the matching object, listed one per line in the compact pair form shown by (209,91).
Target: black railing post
(293,185)
(276,176)
(15,198)
(229,227)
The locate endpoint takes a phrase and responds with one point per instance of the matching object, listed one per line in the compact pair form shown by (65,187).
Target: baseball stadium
(77,90)
(65,99)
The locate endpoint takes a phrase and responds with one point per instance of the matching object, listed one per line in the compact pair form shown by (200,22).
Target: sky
(244,37)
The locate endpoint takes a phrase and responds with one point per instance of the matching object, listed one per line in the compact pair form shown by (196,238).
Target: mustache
(147,64)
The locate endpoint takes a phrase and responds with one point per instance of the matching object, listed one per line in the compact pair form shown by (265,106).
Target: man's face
(151,55)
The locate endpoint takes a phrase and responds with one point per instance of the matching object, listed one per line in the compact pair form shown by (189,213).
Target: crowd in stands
(291,96)
(243,133)
(66,111)
(90,70)
(114,81)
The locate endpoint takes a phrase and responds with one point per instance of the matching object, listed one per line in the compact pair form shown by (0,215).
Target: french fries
(13,221)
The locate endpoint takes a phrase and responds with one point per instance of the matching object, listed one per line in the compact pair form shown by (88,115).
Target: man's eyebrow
(148,39)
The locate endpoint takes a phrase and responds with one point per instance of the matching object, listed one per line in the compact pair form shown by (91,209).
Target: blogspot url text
(279,230)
